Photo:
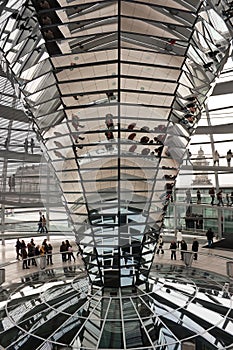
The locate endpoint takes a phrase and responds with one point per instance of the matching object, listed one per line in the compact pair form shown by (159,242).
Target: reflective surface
(115,90)
(56,309)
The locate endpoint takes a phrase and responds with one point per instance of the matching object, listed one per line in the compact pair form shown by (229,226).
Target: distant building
(203,179)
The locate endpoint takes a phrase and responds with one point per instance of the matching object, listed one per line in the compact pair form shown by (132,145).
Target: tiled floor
(209,260)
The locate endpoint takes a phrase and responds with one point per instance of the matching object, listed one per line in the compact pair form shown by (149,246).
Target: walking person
(220,198)
(195,248)
(44,227)
(160,245)
(183,248)
(212,195)
(216,157)
(229,156)
(210,237)
(173,248)
(40,228)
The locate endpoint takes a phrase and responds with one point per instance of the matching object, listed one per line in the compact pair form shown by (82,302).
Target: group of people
(216,157)
(28,144)
(219,196)
(180,244)
(33,254)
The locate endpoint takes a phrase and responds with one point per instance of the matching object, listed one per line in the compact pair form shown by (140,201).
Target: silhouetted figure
(18,249)
(13,182)
(195,247)
(188,196)
(229,156)
(32,145)
(26,145)
(183,246)
(212,195)
(10,183)
(173,248)
(231,197)
(6,143)
(63,249)
(198,196)
(210,237)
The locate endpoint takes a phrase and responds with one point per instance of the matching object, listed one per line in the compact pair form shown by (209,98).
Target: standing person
(10,183)
(23,244)
(44,227)
(188,196)
(229,156)
(32,145)
(31,254)
(63,250)
(42,257)
(219,198)
(13,182)
(231,197)
(228,199)
(49,254)
(6,143)
(195,247)
(183,247)
(210,237)
(216,157)
(212,195)
(26,145)
(178,237)
(70,253)
(45,245)
(160,245)
(18,249)
(24,257)
(173,248)
(198,196)
(37,254)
